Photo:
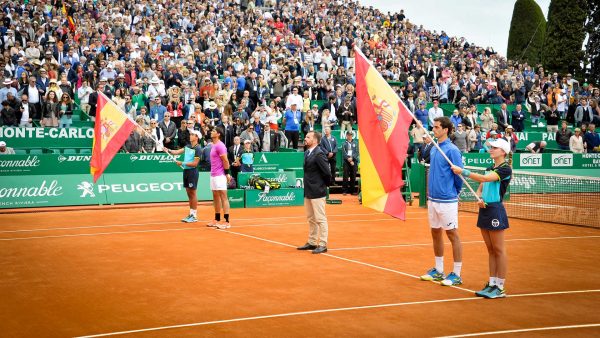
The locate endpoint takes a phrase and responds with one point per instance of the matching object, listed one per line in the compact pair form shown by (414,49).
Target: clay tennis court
(141,273)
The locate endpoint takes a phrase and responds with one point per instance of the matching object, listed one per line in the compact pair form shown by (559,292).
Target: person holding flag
(443,188)
(191,157)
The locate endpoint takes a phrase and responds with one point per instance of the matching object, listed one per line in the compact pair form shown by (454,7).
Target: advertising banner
(47,137)
(268,162)
(236,198)
(530,162)
(49,191)
(274,198)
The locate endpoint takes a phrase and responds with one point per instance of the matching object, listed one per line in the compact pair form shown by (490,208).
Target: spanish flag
(383,122)
(112,129)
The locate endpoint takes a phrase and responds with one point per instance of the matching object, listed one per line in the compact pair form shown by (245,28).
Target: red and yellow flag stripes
(110,132)
(383,122)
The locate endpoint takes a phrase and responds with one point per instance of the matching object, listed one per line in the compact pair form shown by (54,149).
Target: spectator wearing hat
(511,138)
(422,115)
(8,88)
(4,150)
(291,119)
(433,113)
(247,157)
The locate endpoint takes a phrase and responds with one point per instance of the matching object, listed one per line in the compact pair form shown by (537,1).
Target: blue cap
(228,80)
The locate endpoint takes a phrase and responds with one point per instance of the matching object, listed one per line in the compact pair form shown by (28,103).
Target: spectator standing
(552,117)
(591,139)
(291,120)
(247,157)
(434,112)
(563,136)
(518,119)
(351,156)
(269,139)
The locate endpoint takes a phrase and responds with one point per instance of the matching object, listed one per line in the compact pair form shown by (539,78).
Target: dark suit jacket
(346,147)
(329,147)
(425,153)
(231,155)
(502,123)
(273,142)
(317,174)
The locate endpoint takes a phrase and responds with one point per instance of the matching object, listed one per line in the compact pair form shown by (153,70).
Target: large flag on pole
(383,122)
(112,129)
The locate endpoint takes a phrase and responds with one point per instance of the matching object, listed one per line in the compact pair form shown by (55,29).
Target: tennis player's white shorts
(218,182)
(443,215)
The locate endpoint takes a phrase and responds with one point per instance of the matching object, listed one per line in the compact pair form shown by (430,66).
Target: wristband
(466,173)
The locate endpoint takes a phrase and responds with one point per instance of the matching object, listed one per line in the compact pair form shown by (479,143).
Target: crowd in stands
(251,65)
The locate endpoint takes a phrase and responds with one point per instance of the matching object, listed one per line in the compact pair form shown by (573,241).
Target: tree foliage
(565,32)
(527,31)
(593,44)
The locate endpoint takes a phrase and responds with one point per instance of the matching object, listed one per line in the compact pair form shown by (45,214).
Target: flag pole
(357,50)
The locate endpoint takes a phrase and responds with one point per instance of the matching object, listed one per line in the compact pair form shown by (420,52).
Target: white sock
(457,268)
(500,283)
(439,264)
(492,281)
(193,212)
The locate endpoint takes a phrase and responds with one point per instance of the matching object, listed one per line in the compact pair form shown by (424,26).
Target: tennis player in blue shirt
(443,189)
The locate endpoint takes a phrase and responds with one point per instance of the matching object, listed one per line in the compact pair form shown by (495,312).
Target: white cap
(502,144)
(196,132)
(2,144)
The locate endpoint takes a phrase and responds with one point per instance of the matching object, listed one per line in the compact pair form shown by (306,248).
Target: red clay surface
(144,273)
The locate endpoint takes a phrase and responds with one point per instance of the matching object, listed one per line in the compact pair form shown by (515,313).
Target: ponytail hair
(510,159)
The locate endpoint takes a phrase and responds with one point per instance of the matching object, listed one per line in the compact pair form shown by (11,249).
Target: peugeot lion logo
(87,189)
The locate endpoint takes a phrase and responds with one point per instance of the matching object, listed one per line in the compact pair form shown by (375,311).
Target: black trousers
(349,173)
(292,137)
(332,166)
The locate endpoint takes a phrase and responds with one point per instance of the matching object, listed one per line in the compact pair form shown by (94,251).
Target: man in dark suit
(503,118)
(329,146)
(234,154)
(269,139)
(350,156)
(425,152)
(518,118)
(316,177)
(252,87)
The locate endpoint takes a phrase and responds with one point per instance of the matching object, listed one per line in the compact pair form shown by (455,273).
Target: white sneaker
(223,226)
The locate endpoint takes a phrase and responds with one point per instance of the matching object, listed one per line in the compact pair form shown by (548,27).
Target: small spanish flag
(112,129)
(383,122)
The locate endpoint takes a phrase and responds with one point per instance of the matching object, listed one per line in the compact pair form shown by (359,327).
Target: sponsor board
(48,137)
(562,160)
(65,190)
(530,160)
(159,187)
(236,198)
(48,190)
(279,197)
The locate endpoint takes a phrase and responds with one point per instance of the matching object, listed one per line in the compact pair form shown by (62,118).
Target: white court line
(463,242)
(547,328)
(301,313)
(158,223)
(341,258)
(201,227)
